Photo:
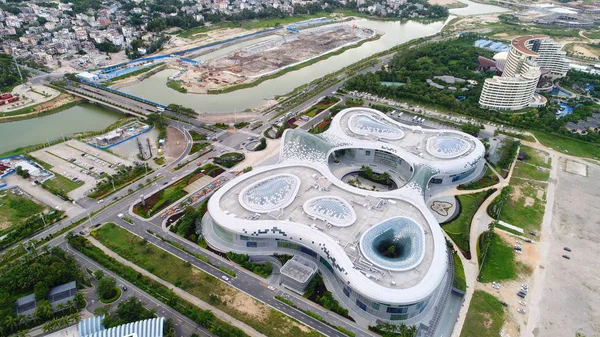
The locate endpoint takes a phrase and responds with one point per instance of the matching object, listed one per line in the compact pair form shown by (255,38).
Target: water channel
(395,32)
(80,118)
(88,117)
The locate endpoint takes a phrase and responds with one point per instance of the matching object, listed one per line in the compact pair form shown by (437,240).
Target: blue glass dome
(394,244)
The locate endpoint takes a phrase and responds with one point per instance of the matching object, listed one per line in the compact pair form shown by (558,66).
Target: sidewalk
(180,292)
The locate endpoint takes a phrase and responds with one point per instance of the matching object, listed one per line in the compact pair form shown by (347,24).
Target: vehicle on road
(271,288)
(124,288)
(120,215)
(225,278)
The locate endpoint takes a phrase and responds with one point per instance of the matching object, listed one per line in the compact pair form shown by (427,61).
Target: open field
(570,146)
(62,183)
(571,285)
(525,205)
(207,288)
(459,228)
(536,157)
(15,209)
(527,171)
(485,316)
(499,264)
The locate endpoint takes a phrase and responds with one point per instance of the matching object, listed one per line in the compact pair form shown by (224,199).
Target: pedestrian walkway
(179,292)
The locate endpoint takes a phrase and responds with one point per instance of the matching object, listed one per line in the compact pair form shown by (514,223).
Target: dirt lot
(175,143)
(264,57)
(572,287)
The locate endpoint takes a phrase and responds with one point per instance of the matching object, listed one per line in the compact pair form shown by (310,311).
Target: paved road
(183,325)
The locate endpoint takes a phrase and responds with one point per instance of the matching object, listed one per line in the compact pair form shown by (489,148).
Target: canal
(80,118)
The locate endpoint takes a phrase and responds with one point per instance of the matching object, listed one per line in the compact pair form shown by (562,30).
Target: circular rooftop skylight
(336,211)
(447,147)
(394,244)
(270,194)
(366,125)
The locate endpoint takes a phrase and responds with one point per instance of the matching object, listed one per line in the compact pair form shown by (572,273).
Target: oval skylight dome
(446,147)
(270,194)
(334,210)
(368,126)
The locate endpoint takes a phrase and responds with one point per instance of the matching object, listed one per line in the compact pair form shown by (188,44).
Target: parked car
(523,303)
(521,311)
(566,257)
(567,249)
(504,303)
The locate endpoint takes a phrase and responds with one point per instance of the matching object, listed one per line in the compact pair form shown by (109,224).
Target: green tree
(79,300)
(43,311)
(41,290)
(471,129)
(106,287)
(133,310)
(11,322)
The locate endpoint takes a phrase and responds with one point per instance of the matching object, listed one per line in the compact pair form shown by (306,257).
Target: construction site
(283,49)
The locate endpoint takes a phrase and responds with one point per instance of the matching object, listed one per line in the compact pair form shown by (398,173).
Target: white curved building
(522,67)
(380,249)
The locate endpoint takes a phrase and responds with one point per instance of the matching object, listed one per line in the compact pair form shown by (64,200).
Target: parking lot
(80,162)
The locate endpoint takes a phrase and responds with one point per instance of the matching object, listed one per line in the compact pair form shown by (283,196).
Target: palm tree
(61,307)
(23,319)
(74,317)
(22,333)
(70,306)
(11,322)
(47,327)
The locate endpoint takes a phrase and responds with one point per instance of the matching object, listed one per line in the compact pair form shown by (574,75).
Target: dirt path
(179,292)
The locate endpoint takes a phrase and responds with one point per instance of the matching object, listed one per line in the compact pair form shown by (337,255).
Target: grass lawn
(530,172)
(60,182)
(489,179)
(159,160)
(460,281)
(516,213)
(114,298)
(570,146)
(485,316)
(204,286)
(459,228)
(499,262)
(536,157)
(177,85)
(15,209)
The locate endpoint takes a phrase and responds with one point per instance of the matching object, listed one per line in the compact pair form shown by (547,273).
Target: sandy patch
(247,305)
(529,201)
(576,168)
(540,194)
(516,193)
(581,50)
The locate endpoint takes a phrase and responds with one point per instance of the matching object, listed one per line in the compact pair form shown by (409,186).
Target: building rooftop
(520,43)
(299,268)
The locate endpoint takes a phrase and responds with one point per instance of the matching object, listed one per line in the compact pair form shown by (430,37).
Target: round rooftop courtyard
(334,210)
(270,193)
(447,147)
(367,125)
(394,244)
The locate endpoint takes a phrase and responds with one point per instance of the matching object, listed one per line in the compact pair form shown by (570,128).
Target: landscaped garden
(459,229)
(321,106)
(499,263)
(165,197)
(229,160)
(459,282)
(488,179)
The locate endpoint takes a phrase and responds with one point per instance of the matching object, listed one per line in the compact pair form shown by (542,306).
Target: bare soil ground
(175,143)
(569,303)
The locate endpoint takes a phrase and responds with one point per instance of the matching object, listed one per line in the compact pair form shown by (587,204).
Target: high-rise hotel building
(527,58)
